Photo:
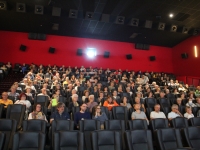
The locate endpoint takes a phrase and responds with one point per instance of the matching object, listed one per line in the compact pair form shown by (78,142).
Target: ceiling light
(21,7)
(185,30)
(39,9)
(173,28)
(73,13)
(134,22)
(161,26)
(3,5)
(171,15)
(89,15)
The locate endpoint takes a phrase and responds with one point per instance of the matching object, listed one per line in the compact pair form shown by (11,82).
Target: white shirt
(173,115)
(159,114)
(188,116)
(24,102)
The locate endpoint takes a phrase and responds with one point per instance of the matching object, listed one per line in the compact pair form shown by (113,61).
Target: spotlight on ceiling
(21,7)
(161,26)
(39,9)
(196,32)
(173,28)
(185,30)
(73,13)
(134,22)
(171,15)
(120,20)
(89,15)
(3,5)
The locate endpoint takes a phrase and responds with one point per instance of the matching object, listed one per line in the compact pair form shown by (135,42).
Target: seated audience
(5,101)
(74,103)
(97,114)
(13,92)
(138,101)
(81,115)
(60,113)
(55,99)
(198,101)
(188,113)
(91,103)
(157,113)
(23,101)
(138,114)
(44,93)
(125,103)
(190,103)
(110,103)
(197,92)
(174,113)
(37,113)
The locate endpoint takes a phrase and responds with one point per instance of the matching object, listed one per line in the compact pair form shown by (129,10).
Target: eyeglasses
(98,108)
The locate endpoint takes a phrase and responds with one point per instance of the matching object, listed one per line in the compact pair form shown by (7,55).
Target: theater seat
(1,110)
(138,124)
(43,100)
(87,127)
(192,137)
(2,136)
(159,123)
(68,140)
(179,122)
(35,125)
(16,112)
(28,141)
(194,121)
(139,140)
(106,140)
(120,113)
(168,139)
(8,127)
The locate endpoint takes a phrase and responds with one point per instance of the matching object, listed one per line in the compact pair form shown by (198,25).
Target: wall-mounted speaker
(128,56)
(152,58)
(41,36)
(32,36)
(22,47)
(106,54)
(142,46)
(184,55)
(51,50)
(79,52)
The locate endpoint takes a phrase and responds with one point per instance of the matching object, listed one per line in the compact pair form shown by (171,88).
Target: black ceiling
(104,23)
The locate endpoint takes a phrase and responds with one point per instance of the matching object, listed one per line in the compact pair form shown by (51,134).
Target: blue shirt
(57,116)
(79,116)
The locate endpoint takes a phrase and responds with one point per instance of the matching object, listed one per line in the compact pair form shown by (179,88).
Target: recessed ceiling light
(171,15)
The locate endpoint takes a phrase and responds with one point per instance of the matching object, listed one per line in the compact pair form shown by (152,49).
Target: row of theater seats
(90,137)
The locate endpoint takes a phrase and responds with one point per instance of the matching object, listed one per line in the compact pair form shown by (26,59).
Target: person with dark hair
(97,114)
(23,101)
(60,114)
(81,115)
(37,113)
(125,103)
(91,103)
(110,103)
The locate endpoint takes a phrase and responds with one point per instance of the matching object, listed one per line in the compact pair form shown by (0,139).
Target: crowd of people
(90,88)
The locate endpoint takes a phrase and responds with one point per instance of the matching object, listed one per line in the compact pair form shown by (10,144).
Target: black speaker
(51,50)
(32,36)
(152,58)
(41,36)
(142,46)
(79,52)
(106,54)
(184,55)
(128,56)
(22,47)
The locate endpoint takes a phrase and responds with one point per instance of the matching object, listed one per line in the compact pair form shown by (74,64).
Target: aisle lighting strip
(195,51)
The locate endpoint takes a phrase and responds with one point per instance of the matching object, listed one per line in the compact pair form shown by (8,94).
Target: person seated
(13,92)
(4,68)
(198,101)
(44,93)
(181,88)
(55,99)
(37,113)
(110,103)
(197,92)
(91,103)
(115,96)
(97,114)
(60,113)
(81,115)
(85,97)
(5,101)
(125,103)
(188,113)
(138,114)
(157,113)
(174,113)
(138,101)
(28,92)
(179,102)
(190,103)
(23,101)
(74,103)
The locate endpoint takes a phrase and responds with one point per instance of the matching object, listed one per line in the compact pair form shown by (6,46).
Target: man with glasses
(81,115)
(174,113)
(60,114)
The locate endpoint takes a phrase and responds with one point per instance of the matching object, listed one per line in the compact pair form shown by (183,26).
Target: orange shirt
(110,106)
(7,102)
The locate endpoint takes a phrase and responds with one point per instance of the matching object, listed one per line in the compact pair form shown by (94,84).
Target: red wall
(66,47)
(190,66)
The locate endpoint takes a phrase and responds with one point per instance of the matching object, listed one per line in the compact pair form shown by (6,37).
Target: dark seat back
(150,102)
(139,140)
(2,136)
(195,110)
(194,121)
(35,125)
(106,140)
(8,127)
(179,122)
(120,113)
(159,123)
(138,124)
(87,126)
(168,138)
(28,141)
(16,112)
(1,110)
(72,140)
(192,137)
(43,100)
